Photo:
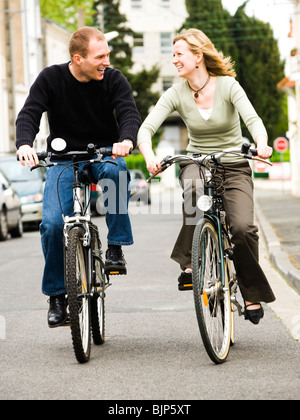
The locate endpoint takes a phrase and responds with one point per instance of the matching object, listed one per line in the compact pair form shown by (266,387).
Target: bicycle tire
(229,273)
(98,299)
(78,295)
(212,300)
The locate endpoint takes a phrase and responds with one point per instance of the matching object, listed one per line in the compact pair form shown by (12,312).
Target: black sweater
(100,112)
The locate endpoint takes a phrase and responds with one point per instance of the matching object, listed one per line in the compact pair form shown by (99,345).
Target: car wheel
(3,225)
(17,232)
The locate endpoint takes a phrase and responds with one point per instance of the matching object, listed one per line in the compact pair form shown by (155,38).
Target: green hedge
(277,158)
(136,161)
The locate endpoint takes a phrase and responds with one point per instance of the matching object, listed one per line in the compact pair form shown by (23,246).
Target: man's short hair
(79,42)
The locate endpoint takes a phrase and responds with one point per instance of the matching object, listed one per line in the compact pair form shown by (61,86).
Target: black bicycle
(85,277)
(214,281)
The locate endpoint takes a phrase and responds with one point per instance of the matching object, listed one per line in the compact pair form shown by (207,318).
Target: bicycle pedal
(183,287)
(67,323)
(116,271)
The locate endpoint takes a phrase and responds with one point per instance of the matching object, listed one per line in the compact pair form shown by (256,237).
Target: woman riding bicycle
(210,102)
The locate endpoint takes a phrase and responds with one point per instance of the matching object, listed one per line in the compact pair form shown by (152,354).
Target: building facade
(27,45)
(155,24)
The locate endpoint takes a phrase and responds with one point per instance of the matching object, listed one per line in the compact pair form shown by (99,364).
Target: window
(136,4)
(166,43)
(138,43)
(165,3)
(167,83)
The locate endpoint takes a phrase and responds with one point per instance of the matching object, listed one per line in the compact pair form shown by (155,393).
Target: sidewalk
(278,216)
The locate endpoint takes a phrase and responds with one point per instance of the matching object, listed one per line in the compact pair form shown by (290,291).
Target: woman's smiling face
(183,59)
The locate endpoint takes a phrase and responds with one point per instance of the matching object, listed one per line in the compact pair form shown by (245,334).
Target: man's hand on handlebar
(27,156)
(122,149)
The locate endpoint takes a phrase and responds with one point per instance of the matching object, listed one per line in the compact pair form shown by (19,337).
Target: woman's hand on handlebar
(152,162)
(27,156)
(153,165)
(263,150)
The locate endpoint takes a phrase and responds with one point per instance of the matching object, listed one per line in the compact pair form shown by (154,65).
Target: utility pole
(295,143)
(10,72)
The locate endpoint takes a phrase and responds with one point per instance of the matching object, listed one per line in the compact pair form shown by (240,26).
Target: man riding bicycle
(86,102)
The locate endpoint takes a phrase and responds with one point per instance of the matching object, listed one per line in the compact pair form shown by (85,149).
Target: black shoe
(254,315)
(57,314)
(115,263)
(185,281)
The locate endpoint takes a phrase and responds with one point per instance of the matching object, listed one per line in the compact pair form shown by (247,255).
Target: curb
(277,256)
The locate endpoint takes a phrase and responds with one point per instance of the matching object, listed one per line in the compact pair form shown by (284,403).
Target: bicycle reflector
(204,202)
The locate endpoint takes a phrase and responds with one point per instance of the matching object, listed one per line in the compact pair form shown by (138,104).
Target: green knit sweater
(220,131)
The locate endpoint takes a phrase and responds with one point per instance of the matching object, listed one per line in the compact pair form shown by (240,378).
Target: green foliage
(136,161)
(113,20)
(65,12)
(277,157)
(260,69)
(211,18)
(141,83)
(121,57)
(251,44)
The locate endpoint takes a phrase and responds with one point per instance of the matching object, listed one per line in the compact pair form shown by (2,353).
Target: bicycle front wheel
(78,295)
(211,292)
(97,301)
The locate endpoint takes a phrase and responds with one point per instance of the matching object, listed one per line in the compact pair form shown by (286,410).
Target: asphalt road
(153,349)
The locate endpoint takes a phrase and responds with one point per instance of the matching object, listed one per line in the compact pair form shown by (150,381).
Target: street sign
(281,144)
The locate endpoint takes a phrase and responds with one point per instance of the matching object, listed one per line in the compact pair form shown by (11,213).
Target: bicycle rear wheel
(78,295)
(97,301)
(212,300)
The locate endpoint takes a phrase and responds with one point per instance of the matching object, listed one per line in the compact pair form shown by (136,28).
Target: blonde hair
(79,42)
(216,63)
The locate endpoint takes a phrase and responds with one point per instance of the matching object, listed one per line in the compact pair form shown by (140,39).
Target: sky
(276,12)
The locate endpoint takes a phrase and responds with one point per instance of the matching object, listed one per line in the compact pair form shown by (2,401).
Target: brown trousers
(239,207)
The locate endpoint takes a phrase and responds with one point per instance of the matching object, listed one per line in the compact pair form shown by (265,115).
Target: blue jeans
(114,180)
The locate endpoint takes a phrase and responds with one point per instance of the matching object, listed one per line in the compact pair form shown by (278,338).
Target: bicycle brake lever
(40,166)
(108,161)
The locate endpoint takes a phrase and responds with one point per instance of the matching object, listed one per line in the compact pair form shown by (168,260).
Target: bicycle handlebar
(92,153)
(245,151)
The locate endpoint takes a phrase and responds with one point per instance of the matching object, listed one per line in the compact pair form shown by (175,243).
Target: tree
(254,50)
(260,69)
(112,20)
(121,56)
(65,12)
(210,17)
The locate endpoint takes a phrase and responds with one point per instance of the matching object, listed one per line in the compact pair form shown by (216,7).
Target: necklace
(196,91)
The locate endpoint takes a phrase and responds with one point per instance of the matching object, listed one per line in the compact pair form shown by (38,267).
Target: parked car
(29,186)
(10,210)
(139,188)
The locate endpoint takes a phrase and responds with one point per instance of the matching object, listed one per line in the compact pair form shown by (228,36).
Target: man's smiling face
(92,67)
